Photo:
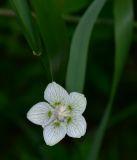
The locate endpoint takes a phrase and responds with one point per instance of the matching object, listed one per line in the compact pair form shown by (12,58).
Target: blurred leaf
(4,100)
(31,33)
(52,29)
(129,111)
(123,14)
(23,13)
(79,47)
(73,6)
(124,20)
(113,150)
(99,78)
(57,152)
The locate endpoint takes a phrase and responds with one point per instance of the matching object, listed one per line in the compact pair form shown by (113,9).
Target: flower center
(61,113)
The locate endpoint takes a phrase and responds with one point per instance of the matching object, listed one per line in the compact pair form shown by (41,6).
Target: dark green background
(23,80)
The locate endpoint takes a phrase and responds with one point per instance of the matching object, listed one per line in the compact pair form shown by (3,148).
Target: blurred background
(23,80)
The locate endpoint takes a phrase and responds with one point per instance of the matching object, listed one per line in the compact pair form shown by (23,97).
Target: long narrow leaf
(123,14)
(24,16)
(31,33)
(53,30)
(79,47)
(73,6)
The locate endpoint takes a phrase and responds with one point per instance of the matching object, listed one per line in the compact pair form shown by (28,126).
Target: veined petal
(54,133)
(40,113)
(76,126)
(55,94)
(77,103)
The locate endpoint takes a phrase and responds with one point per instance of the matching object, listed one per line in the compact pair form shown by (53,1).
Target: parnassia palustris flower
(60,115)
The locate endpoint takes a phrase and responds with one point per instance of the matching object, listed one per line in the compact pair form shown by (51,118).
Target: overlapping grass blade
(123,14)
(53,30)
(31,32)
(73,6)
(24,16)
(79,47)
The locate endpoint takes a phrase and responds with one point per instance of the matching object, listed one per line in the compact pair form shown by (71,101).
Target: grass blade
(79,47)
(31,33)
(24,16)
(123,14)
(73,6)
(53,31)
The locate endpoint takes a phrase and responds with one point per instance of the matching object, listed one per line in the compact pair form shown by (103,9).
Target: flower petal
(54,133)
(40,113)
(55,94)
(77,103)
(76,127)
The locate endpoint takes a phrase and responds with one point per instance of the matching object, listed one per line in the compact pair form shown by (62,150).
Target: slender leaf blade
(53,31)
(73,6)
(31,32)
(79,47)
(124,20)
(123,14)
(24,16)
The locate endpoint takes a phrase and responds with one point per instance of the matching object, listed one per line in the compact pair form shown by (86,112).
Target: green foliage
(73,6)
(52,29)
(24,16)
(79,47)
(123,13)
(101,61)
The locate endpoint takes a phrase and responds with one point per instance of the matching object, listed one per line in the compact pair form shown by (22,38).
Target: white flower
(61,115)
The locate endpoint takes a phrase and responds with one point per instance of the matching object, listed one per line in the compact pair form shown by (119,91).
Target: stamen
(61,113)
